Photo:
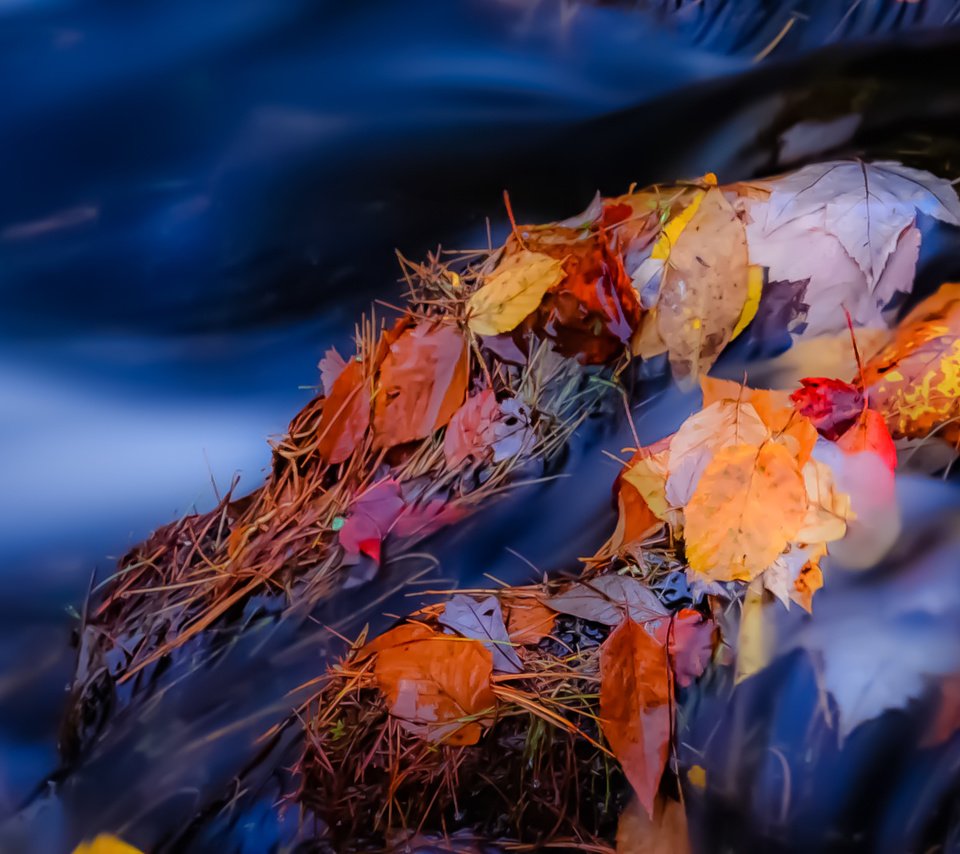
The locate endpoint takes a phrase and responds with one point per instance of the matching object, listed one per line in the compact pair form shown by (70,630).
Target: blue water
(197,199)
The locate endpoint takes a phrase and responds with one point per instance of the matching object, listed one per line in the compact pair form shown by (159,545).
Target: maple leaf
(832,405)
(665,832)
(608,599)
(437,686)
(483,621)
(635,700)
(914,382)
(346,414)
(470,433)
(720,424)
(750,502)
(512,291)
(529,620)
(866,206)
(370,518)
(423,381)
(704,289)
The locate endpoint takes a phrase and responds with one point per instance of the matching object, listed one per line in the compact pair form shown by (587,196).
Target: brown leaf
(635,699)
(663,833)
(704,287)
(346,414)
(470,433)
(608,599)
(423,381)
(438,687)
(749,503)
(529,620)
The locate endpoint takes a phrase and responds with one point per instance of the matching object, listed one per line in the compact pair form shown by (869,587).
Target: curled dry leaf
(513,291)
(346,414)
(608,599)
(423,381)
(914,382)
(483,621)
(748,505)
(704,288)
(437,686)
(635,695)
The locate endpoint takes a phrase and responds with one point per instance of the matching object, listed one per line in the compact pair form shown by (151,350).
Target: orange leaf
(346,415)
(529,620)
(438,686)
(749,504)
(423,381)
(635,695)
(404,633)
(914,382)
(869,433)
(665,832)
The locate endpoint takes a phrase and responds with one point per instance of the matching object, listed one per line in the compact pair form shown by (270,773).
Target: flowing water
(197,200)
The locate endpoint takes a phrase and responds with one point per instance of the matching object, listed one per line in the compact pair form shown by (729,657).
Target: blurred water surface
(198,199)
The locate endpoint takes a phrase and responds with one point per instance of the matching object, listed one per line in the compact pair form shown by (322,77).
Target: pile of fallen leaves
(526,704)
(524,714)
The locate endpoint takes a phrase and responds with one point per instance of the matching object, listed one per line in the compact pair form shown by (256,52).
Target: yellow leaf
(748,505)
(106,843)
(704,287)
(648,475)
(754,641)
(512,291)
(754,292)
(673,229)
(723,423)
(697,775)
(828,509)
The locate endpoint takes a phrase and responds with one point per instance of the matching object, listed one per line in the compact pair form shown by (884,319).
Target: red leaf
(832,405)
(423,381)
(370,518)
(346,414)
(423,519)
(870,433)
(635,695)
(691,644)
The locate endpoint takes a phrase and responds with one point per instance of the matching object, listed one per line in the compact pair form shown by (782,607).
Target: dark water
(195,201)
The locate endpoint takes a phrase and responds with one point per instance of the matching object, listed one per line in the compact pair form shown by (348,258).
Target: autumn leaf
(914,382)
(782,310)
(754,643)
(665,832)
(529,620)
(423,381)
(512,291)
(608,599)
(438,687)
(331,366)
(635,713)
(346,414)
(397,636)
(832,405)
(724,422)
(470,433)
(748,504)
(704,287)
(689,638)
(105,843)
(370,518)
(869,433)
(641,499)
(483,621)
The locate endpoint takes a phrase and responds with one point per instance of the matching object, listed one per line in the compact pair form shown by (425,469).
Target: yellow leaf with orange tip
(512,291)
(914,382)
(106,843)
(749,503)
(665,832)
(775,409)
